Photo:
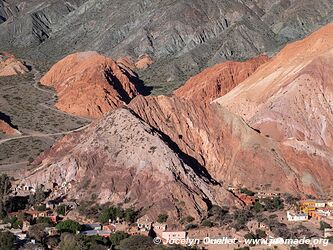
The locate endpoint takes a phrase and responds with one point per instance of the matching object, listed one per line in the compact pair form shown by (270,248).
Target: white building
(292,216)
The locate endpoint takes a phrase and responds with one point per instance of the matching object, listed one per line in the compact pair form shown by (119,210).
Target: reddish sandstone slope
(9,65)
(121,159)
(218,80)
(291,97)
(234,153)
(89,84)
(7,129)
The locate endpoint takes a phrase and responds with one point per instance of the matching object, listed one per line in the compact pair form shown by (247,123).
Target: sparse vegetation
(162,218)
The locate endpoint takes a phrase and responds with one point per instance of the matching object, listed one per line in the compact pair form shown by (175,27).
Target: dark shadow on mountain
(139,84)
(187,159)
(7,119)
(114,81)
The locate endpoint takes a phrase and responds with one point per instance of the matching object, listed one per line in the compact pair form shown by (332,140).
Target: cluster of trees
(268,204)
(113,213)
(247,192)
(5,186)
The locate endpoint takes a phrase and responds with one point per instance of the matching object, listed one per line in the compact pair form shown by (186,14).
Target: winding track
(37,76)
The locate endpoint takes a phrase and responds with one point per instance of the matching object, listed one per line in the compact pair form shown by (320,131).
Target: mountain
(181,37)
(89,84)
(178,155)
(218,80)
(234,153)
(291,97)
(123,160)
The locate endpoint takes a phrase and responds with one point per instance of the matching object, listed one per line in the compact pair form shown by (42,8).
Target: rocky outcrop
(122,160)
(141,63)
(9,65)
(89,84)
(6,127)
(291,97)
(218,80)
(234,153)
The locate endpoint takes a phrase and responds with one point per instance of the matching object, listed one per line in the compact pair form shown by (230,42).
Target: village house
(110,227)
(174,236)
(144,223)
(292,216)
(160,226)
(94,226)
(263,195)
(313,203)
(316,215)
(96,232)
(248,200)
(136,231)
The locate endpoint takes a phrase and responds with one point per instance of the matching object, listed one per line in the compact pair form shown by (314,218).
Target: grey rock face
(181,36)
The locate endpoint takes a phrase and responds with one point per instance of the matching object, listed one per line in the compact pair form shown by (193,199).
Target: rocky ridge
(107,160)
(218,80)
(291,97)
(89,84)
(181,38)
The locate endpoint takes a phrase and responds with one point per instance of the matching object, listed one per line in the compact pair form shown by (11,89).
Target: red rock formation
(121,158)
(89,84)
(143,62)
(9,65)
(291,97)
(218,80)
(7,129)
(234,153)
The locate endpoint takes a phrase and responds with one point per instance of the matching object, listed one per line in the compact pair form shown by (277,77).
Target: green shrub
(69,226)
(117,237)
(162,218)
(7,240)
(207,223)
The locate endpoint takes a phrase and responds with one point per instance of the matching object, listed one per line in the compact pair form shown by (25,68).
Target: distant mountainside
(182,37)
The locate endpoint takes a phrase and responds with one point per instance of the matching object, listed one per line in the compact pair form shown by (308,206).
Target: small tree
(258,207)
(38,197)
(162,218)
(37,232)
(247,191)
(61,210)
(130,215)
(5,186)
(187,219)
(72,242)
(261,234)
(7,240)
(44,220)
(207,223)
(324,225)
(69,226)
(137,242)
(117,237)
